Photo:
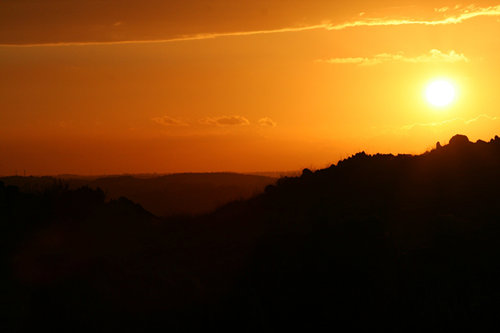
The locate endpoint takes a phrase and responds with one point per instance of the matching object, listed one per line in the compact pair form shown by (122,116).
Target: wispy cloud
(442,9)
(169,121)
(463,14)
(201,36)
(267,122)
(454,15)
(433,56)
(481,117)
(233,120)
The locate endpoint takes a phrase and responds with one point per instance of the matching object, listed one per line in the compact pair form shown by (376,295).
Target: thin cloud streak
(449,121)
(178,39)
(434,56)
(466,14)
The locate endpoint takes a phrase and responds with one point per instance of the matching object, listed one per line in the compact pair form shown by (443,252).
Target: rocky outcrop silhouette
(459,141)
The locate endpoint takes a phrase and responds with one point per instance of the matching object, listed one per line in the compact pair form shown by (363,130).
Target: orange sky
(99,87)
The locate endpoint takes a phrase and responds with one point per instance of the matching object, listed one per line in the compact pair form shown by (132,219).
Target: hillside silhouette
(376,242)
(165,195)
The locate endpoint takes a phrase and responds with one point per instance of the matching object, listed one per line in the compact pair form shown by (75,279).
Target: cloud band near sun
(459,121)
(433,56)
(463,14)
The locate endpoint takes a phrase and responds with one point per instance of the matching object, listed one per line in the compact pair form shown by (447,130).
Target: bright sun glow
(440,93)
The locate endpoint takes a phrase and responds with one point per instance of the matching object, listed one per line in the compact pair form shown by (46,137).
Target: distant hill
(166,195)
(278,174)
(376,242)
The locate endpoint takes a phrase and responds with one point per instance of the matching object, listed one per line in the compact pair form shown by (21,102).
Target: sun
(440,93)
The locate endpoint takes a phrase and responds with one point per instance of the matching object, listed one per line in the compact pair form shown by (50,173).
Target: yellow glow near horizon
(440,93)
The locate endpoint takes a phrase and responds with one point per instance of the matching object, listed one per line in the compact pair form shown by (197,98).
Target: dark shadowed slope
(395,243)
(168,195)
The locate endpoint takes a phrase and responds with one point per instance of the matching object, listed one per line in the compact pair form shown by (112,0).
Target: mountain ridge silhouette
(404,243)
(163,195)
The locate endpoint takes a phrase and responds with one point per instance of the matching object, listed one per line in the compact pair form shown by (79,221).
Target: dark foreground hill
(396,243)
(166,195)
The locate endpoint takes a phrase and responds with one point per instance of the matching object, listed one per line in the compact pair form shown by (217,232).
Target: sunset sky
(121,86)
